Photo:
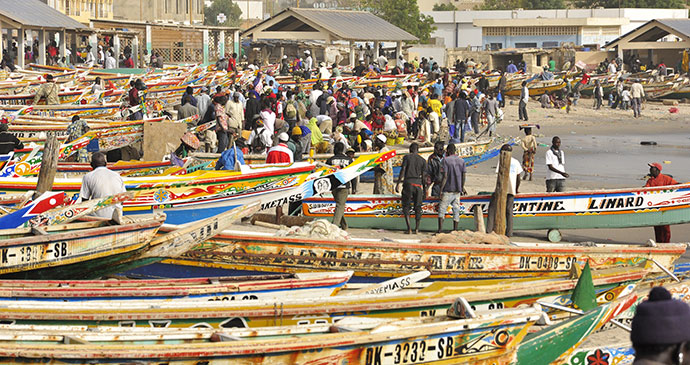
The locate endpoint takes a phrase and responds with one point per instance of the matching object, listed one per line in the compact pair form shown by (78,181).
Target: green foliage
(667,4)
(231,10)
(403,14)
(523,4)
(444,7)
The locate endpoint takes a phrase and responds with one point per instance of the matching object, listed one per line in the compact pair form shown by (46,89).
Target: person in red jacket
(280,153)
(661,233)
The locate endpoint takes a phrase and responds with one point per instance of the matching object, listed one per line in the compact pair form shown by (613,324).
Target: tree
(403,14)
(444,7)
(523,4)
(667,4)
(231,10)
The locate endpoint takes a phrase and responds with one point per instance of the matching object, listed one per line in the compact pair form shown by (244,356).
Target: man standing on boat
(452,186)
(433,175)
(100,183)
(661,233)
(555,163)
(412,171)
(340,193)
(514,176)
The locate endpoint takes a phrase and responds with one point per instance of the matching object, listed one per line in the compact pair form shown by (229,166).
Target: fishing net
(471,237)
(321,229)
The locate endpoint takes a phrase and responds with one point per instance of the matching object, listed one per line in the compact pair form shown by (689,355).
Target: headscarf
(316,136)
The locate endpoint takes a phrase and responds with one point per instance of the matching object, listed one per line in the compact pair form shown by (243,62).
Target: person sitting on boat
(8,142)
(514,172)
(280,153)
(661,233)
(49,90)
(100,183)
(660,332)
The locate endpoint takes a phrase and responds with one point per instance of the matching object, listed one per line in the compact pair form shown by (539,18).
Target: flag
(584,297)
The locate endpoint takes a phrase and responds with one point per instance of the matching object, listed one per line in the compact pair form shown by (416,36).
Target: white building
(497,29)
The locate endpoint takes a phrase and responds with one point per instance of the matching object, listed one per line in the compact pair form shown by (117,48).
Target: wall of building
(532,41)
(457,29)
(158,10)
(251,9)
(84,10)
(419,51)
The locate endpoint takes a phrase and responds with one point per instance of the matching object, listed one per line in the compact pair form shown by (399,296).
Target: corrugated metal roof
(349,25)
(34,13)
(355,25)
(682,26)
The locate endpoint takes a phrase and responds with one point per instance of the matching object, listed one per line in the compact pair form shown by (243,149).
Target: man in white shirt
(524,98)
(110,61)
(555,163)
(101,183)
(637,93)
(308,61)
(612,67)
(514,177)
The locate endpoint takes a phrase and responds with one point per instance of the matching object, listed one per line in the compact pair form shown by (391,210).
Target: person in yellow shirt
(435,104)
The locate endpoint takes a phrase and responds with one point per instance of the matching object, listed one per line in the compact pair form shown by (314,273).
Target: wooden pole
(501,193)
(46,175)
(478,218)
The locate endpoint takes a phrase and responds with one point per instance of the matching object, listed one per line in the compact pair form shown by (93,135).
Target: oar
(393,285)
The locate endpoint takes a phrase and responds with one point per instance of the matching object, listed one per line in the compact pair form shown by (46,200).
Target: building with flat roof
(499,29)
(159,10)
(83,10)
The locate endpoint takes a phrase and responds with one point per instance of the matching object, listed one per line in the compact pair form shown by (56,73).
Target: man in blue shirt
(453,186)
(511,69)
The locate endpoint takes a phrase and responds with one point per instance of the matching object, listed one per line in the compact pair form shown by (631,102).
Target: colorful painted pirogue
(317,284)
(376,259)
(269,310)
(619,208)
(487,338)
(69,248)
(201,194)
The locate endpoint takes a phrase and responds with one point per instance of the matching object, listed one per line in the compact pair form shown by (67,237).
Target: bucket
(399,140)
(390,141)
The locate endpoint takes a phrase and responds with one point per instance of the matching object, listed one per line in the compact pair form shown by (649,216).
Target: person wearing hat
(49,91)
(660,333)
(656,178)
(295,145)
(284,66)
(308,64)
(280,153)
(529,149)
(340,192)
(8,142)
(383,173)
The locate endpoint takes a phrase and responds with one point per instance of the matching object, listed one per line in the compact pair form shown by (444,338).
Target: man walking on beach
(412,171)
(524,98)
(637,92)
(514,176)
(555,163)
(452,186)
(661,233)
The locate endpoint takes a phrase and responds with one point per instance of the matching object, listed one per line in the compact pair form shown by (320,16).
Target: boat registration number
(20,256)
(414,352)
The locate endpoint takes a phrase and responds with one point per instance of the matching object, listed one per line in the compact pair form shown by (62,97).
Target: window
(549,45)
(495,46)
(526,45)
(67,7)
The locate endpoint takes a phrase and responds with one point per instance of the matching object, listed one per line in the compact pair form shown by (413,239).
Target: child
(529,147)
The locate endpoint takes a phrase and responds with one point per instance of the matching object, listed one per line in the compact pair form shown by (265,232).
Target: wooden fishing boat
(68,110)
(201,194)
(65,97)
(554,345)
(228,288)
(484,338)
(538,87)
(69,248)
(375,259)
(617,353)
(431,301)
(194,196)
(616,208)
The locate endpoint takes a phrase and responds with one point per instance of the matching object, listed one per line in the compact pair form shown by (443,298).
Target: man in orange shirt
(662,233)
